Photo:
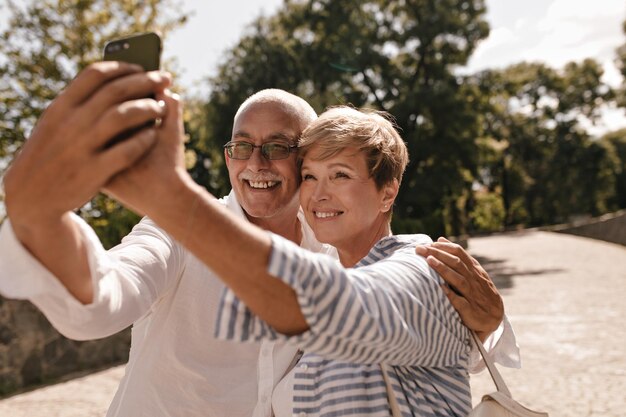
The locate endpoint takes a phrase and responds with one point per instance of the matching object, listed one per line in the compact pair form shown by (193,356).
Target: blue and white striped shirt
(389,309)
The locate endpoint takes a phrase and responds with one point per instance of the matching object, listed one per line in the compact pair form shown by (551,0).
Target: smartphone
(142,49)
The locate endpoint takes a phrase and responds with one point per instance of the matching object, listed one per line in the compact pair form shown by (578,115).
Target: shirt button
(304,367)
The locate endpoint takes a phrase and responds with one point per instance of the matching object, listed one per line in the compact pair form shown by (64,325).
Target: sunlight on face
(341,201)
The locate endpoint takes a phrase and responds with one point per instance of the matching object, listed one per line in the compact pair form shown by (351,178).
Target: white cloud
(497,37)
(582,10)
(569,30)
(574,30)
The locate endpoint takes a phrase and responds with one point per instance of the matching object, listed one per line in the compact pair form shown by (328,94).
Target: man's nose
(257,160)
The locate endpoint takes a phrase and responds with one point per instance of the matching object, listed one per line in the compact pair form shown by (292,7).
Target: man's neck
(286,226)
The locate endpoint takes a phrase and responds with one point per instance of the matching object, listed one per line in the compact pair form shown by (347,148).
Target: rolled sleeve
(126,280)
(23,276)
(501,346)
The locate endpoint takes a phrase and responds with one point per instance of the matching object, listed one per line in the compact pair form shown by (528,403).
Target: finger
(172,131)
(131,87)
(449,259)
(126,153)
(172,122)
(89,80)
(453,249)
(124,117)
(449,275)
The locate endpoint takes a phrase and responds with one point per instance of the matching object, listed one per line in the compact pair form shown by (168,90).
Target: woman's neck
(352,252)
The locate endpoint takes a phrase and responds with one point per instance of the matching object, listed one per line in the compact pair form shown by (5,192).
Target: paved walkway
(563,294)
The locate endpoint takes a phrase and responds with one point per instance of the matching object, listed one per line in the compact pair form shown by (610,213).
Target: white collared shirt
(176,366)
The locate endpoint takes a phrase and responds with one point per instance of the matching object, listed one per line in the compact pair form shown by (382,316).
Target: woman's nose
(320,192)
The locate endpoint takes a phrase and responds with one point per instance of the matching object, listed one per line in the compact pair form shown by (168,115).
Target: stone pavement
(563,294)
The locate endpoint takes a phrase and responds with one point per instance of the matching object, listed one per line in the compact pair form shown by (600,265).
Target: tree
(621,65)
(394,56)
(617,141)
(46,44)
(547,168)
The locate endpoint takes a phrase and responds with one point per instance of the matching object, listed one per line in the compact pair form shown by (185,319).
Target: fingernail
(421,250)
(432,261)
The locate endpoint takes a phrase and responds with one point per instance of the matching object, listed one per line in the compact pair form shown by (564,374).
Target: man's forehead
(290,136)
(284,135)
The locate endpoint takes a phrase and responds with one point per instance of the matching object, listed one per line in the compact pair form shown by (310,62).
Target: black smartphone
(143,49)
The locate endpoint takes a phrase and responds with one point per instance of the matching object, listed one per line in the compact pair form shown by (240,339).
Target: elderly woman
(379,305)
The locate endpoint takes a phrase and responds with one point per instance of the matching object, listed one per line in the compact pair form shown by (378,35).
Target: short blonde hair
(369,131)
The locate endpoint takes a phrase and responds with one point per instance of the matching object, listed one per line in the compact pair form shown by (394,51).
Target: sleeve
(391,311)
(127,280)
(501,346)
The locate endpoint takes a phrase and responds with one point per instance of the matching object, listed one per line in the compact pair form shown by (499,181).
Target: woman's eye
(306,177)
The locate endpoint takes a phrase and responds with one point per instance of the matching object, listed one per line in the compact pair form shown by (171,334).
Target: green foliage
(394,56)
(538,157)
(621,65)
(109,219)
(617,142)
(45,44)
(487,213)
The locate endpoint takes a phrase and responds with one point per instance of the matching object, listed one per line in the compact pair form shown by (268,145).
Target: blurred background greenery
(492,150)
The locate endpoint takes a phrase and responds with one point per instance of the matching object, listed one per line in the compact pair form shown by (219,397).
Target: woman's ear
(390,191)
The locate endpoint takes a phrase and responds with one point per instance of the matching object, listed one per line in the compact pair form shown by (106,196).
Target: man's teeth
(323,215)
(262,184)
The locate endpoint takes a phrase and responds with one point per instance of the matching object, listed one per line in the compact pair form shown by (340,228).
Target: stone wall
(32,352)
(610,228)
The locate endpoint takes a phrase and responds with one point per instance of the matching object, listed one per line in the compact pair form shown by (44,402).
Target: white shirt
(176,366)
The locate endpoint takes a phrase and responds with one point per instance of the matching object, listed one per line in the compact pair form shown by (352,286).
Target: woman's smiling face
(340,199)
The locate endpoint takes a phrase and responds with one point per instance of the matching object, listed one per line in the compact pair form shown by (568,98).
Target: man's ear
(226,158)
(390,192)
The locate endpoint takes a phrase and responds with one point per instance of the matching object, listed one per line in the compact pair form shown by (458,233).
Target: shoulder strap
(491,367)
(393,403)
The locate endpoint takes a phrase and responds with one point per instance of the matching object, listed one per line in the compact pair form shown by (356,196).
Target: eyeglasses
(270,150)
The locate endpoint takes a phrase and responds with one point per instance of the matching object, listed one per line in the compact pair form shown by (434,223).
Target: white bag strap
(493,371)
(393,403)
(491,367)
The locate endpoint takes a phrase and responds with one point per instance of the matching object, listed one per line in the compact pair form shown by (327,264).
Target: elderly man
(51,257)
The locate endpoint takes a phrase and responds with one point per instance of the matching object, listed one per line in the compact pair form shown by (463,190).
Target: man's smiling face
(266,189)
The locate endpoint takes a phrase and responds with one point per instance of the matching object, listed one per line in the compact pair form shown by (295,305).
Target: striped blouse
(389,309)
